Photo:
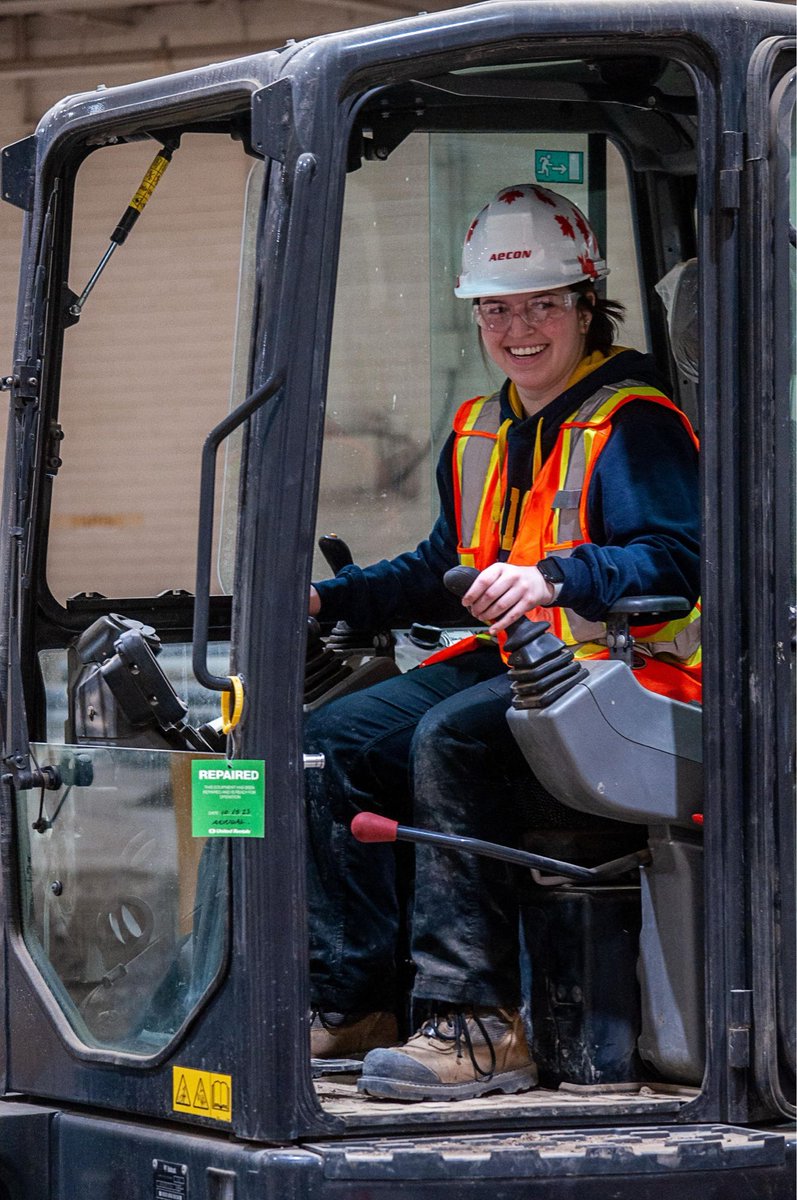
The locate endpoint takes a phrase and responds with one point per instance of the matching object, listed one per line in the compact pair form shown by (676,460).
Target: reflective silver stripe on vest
(475,460)
(568,500)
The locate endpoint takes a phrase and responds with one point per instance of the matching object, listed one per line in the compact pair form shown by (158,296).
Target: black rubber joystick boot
(323,668)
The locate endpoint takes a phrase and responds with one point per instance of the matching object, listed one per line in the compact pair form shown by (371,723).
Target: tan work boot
(333,1035)
(453,1057)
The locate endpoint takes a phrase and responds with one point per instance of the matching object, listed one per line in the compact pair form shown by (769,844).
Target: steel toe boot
(453,1056)
(334,1035)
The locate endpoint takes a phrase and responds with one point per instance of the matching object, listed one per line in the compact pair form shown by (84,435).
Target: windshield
(393,390)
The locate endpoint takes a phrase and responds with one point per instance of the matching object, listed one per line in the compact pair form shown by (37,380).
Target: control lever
(541,667)
(371,827)
(343,640)
(521,631)
(335,551)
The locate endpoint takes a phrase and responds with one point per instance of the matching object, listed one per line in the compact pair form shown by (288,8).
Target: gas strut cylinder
(128,219)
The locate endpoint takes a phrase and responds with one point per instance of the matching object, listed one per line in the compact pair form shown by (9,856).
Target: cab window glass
(466,170)
(404,350)
(146,371)
(124,912)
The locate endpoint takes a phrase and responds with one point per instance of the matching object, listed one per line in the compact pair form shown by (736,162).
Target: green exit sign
(559,166)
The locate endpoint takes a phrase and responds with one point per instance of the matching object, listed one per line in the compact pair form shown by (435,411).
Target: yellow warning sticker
(149,183)
(202,1094)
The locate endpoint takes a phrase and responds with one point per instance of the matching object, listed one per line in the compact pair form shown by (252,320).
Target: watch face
(550,569)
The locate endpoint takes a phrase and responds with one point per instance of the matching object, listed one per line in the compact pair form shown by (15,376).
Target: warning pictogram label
(202,1093)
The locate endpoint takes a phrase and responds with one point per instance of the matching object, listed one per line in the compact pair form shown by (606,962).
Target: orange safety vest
(553,521)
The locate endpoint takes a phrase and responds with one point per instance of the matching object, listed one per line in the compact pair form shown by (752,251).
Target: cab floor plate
(342,1099)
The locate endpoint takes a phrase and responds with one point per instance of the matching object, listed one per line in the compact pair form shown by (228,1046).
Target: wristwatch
(551,571)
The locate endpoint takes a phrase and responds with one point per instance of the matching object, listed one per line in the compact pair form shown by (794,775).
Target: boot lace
(458,1021)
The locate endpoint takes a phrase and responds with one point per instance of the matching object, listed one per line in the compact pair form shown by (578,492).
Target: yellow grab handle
(229,722)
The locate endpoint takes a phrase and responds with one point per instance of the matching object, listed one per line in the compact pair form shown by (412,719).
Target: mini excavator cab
(189,414)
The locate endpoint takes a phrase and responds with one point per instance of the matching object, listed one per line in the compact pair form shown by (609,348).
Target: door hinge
(731,162)
(52,458)
(24,382)
(272,120)
(18,172)
(739,1028)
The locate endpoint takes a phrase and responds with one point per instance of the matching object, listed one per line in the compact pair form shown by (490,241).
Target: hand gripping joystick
(541,666)
(343,639)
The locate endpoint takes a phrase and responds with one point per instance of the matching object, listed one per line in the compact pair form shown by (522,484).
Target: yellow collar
(588,364)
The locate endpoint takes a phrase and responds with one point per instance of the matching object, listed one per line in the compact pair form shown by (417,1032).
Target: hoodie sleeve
(644,516)
(410,586)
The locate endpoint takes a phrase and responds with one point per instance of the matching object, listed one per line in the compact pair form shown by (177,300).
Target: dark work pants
(431,748)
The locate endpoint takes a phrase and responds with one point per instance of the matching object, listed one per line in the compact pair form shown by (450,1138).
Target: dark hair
(607,316)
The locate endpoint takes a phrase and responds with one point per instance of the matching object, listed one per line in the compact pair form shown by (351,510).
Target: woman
(574,485)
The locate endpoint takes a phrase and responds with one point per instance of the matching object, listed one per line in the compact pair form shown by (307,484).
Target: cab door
(770,449)
(119,895)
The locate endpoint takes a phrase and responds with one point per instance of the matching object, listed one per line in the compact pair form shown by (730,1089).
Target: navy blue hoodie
(643,513)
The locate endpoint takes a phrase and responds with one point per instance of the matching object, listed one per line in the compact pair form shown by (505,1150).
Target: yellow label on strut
(202,1094)
(149,183)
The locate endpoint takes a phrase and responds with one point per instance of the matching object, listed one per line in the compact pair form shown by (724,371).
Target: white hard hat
(527,239)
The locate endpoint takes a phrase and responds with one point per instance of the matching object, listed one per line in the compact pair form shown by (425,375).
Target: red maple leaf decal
(565,226)
(543,197)
(511,196)
(469,234)
(583,227)
(588,266)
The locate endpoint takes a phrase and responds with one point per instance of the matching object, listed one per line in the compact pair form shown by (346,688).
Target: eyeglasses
(497,316)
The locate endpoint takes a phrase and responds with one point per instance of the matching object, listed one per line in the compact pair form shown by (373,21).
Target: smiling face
(542,345)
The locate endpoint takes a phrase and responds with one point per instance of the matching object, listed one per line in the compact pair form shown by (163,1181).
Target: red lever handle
(370,827)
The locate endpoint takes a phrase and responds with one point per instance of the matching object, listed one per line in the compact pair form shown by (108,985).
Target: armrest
(618,636)
(650,606)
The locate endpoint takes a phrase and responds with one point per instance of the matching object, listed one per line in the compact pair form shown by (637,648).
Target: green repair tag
(228,798)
